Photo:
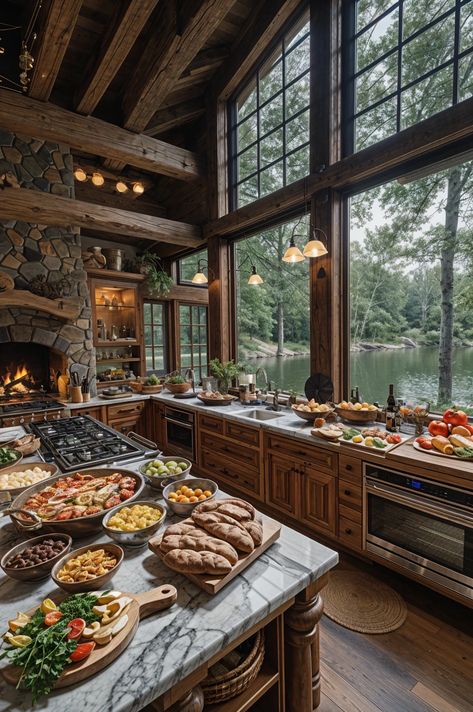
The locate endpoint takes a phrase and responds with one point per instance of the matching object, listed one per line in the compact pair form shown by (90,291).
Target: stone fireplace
(32,253)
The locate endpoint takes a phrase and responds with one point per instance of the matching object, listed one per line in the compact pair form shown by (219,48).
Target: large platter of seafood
(75,503)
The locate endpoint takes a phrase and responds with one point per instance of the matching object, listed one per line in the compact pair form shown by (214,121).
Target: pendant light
(315,248)
(121,186)
(199,277)
(98,179)
(254,278)
(293,253)
(80,174)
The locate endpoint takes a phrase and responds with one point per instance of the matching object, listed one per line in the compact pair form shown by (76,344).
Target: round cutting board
(142,605)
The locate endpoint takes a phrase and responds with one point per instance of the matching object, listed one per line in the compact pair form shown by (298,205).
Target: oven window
(437,540)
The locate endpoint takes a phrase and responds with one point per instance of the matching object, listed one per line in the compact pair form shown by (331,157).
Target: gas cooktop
(83,441)
(17,404)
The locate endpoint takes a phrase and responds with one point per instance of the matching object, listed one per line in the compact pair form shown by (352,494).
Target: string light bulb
(121,186)
(254,278)
(293,253)
(98,179)
(138,188)
(80,175)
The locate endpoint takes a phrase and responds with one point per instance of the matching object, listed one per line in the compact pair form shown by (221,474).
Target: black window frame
(195,347)
(295,23)
(350,35)
(165,346)
(189,282)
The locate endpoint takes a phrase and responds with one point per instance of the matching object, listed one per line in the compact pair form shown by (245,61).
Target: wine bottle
(391,409)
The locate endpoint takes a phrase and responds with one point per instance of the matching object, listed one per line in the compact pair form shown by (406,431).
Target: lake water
(412,371)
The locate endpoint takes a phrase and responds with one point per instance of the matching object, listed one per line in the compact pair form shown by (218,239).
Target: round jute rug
(360,602)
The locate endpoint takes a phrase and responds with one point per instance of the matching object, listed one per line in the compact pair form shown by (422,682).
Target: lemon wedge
(47,606)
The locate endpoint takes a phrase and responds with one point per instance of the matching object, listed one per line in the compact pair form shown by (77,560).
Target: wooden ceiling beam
(167,119)
(115,48)
(54,36)
(34,206)
(90,135)
(168,54)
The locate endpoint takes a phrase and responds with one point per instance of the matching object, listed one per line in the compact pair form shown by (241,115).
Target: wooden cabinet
(318,500)
(282,485)
(154,423)
(350,504)
(93,411)
(125,417)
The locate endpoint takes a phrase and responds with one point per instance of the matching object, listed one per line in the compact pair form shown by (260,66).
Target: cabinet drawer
(124,425)
(350,533)
(245,455)
(93,412)
(125,410)
(221,468)
(249,436)
(349,468)
(322,459)
(349,493)
(349,513)
(212,424)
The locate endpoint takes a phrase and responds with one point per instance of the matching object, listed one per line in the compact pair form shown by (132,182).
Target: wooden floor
(424,666)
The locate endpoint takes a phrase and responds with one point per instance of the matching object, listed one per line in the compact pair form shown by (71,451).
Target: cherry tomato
(455,417)
(76,625)
(438,427)
(82,651)
(52,617)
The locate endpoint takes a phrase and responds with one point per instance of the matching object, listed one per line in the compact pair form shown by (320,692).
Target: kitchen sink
(260,414)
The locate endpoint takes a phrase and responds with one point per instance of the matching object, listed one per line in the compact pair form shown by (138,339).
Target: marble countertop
(171,644)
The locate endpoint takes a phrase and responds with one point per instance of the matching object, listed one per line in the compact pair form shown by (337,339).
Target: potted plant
(158,282)
(175,383)
(224,372)
(152,384)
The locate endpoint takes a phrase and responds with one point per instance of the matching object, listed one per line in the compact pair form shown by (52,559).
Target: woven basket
(136,386)
(218,687)
(178,387)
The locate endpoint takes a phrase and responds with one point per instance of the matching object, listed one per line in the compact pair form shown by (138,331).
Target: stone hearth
(28,251)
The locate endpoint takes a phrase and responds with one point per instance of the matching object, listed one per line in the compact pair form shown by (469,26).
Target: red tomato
(420,439)
(438,427)
(469,427)
(52,617)
(455,417)
(393,439)
(82,651)
(77,625)
(426,444)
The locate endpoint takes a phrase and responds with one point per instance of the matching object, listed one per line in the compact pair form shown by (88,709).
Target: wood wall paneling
(37,207)
(27,116)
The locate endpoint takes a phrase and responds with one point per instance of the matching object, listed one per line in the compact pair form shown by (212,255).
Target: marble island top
(171,644)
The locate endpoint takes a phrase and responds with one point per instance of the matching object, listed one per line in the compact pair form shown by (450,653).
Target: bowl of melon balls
(165,469)
(182,496)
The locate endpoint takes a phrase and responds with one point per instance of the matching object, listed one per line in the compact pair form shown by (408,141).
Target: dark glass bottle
(391,409)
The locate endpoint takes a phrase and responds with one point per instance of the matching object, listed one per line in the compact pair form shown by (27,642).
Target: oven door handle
(442,511)
(189,426)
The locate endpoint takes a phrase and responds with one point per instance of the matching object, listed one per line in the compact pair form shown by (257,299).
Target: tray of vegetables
(374,438)
(450,437)
(64,642)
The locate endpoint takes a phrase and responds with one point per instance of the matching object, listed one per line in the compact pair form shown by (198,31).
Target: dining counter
(170,645)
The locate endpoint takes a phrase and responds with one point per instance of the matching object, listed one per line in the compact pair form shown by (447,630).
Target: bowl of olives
(165,469)
(32,560)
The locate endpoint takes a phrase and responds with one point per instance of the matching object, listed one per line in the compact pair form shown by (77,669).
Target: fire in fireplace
(29,367)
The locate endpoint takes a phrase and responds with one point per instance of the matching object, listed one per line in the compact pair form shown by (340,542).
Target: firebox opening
(26,367)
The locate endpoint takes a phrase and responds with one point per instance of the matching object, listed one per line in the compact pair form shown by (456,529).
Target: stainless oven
(179,432)
(421,525)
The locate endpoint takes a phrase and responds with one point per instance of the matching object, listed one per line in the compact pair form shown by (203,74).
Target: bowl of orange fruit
(183,495)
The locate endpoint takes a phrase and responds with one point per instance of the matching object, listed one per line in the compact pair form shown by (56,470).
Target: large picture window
(273,318)
(155,337)
(269,121)
(405,60)
(411,288)
(193,352)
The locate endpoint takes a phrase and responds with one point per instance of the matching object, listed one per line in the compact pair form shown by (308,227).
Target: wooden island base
(289,680)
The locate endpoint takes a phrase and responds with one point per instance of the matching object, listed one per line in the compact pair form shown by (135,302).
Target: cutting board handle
(157,599)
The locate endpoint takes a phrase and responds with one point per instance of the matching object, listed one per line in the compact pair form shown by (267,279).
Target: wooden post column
(302,657)
(220,330)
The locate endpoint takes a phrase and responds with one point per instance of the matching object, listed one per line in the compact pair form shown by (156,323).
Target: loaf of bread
(197,562)
(205,543)
(255,530)
(237,508)
(181,528)
(226,528)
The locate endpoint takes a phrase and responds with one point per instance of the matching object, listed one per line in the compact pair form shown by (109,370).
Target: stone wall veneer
(29,250)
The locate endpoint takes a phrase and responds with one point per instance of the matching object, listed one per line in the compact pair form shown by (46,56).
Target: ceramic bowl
(139,537)
(184,509)
(37,571)
(96,584)
(52,469)
(156,481)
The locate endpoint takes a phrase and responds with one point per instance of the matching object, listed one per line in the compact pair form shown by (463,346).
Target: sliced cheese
(109,596)
(90,630)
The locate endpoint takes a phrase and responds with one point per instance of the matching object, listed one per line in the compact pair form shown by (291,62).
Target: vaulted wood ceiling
(142,65)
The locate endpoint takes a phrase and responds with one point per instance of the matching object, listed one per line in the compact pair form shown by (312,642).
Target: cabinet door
(282,486)
(318,499)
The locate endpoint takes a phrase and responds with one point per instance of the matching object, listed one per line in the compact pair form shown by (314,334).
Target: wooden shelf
(113,274)
(265,679)
(118,342)
(116,360)
(108,384)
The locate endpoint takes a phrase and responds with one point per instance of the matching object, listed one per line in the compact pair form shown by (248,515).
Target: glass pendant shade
(315,248)
(199,278)
(293,253)
(254,277)
(121,187)
(98,179)
(80,175)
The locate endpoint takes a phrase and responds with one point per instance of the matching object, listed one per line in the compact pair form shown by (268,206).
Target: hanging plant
(158,283)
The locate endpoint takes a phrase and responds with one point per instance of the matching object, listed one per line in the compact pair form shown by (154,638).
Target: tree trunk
(447,258)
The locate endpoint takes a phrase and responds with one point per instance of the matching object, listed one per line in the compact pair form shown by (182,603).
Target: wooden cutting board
(213,584)
(143,605)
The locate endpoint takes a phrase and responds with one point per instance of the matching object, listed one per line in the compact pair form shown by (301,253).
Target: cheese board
(213,584)
(142,605)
